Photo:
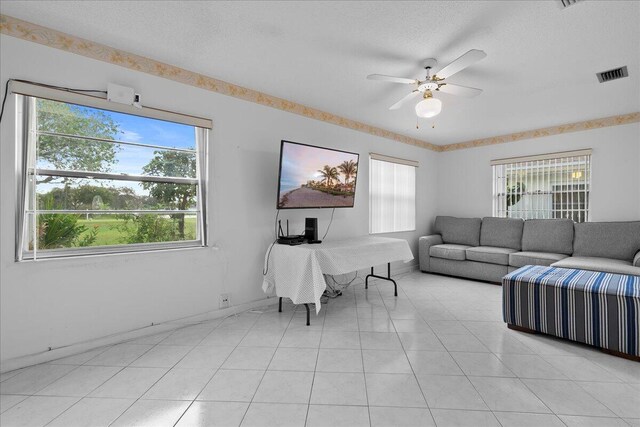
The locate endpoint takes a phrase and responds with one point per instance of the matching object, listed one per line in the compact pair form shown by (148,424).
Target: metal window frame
(113,141)
(26,170)
(558,165)
(67,173)
(88,100)
(548,156)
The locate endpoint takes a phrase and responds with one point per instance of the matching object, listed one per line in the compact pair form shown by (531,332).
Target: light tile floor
(438,354)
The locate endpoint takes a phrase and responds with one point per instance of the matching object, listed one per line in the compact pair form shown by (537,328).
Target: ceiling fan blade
(391,79)
(461,63)
(404,100)
(459,90)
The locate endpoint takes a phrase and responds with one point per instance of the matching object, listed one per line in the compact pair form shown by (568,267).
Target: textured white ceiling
(540,69)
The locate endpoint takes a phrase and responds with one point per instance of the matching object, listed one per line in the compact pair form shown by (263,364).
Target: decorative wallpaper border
(52,38)
(622,119)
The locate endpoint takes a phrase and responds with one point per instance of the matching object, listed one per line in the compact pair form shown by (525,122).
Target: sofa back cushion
(618,240)
(501,232)
(548,235)
(459,231)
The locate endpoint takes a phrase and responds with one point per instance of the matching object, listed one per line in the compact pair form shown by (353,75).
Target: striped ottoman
(600,309)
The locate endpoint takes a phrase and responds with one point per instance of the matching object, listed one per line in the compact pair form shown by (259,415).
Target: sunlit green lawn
(110,233)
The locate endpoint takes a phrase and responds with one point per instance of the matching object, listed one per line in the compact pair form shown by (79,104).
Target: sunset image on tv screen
(314,177)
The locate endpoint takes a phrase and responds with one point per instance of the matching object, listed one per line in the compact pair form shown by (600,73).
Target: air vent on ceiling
(567,3)
(616,73)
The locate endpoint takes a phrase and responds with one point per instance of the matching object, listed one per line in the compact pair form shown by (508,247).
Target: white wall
(53,303)
(465,176)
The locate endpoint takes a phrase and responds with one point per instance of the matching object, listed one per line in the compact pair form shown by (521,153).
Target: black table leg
(395,285)
(308,315)
(366,279)
(306,306)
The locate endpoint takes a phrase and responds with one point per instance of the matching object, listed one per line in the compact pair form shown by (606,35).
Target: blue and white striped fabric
(601,309)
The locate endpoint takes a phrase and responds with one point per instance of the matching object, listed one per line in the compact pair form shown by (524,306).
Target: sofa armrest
(424,244)
(636,260)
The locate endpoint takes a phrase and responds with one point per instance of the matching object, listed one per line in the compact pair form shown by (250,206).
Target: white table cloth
(296,272)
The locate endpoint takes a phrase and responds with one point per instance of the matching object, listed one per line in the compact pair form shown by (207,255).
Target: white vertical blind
(542,187)
(392,196)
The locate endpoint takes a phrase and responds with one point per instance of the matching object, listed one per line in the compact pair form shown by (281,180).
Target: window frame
(551,167)
(396,161)
(26,94)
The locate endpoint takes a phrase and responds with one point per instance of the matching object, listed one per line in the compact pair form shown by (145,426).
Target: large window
(392,194)
(101,181)
(546,186)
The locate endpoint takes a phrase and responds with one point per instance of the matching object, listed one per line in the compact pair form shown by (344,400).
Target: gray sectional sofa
(489,248)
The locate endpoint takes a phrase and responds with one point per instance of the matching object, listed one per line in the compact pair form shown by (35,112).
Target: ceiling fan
(430,106)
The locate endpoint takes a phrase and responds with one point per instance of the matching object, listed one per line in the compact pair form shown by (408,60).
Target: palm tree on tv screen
(324,174)
(348,169)
(329,174)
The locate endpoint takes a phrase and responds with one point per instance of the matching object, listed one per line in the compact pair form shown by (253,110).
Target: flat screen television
(316,177)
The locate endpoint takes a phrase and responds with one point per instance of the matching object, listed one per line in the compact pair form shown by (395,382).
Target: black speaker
(311,230)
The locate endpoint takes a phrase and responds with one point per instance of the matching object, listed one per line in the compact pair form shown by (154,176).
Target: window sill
(112,251)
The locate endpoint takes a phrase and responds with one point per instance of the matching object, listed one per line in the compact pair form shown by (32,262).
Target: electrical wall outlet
(224,300)
(137,100)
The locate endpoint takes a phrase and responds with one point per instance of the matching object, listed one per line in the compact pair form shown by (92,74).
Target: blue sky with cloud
(143,130)
(131,159)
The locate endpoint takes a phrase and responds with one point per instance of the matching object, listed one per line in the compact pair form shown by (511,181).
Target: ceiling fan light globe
(429,107)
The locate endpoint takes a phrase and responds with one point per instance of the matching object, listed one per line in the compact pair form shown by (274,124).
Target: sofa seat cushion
(520,259)
(490,255)
(449,251)
(607,265)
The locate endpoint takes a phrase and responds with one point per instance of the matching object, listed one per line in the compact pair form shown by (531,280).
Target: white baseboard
(70,350)
(406,268)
